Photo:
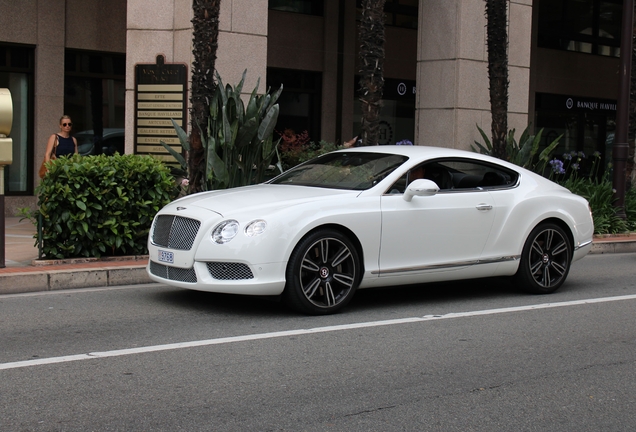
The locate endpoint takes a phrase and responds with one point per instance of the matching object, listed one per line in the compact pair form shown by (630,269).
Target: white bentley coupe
(368,217)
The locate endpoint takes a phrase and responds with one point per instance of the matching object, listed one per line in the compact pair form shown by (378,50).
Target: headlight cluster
(227,230)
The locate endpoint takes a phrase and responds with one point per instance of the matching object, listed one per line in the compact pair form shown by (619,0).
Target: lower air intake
(229,271)
(173,273)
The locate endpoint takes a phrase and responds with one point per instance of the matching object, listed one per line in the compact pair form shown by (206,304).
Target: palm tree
(205,35)
(498,73)
(371,33)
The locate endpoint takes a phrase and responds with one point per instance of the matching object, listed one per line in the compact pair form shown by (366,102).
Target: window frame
(485,167)
(553,36)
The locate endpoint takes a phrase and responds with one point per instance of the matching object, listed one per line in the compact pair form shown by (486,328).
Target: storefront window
(398,13)
(587,26)
(309,7)
(397,117)
(16,74)
(300,101)
(587,125)
(94,97)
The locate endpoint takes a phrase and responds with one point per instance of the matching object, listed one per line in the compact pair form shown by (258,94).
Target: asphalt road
(471,356)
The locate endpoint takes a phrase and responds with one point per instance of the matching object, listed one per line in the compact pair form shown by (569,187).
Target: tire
(545,260)
(323,273)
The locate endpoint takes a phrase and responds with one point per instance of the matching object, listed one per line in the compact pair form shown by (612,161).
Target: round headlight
(255,228)
(225,231)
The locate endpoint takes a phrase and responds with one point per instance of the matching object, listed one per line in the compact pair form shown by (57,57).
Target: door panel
(449,228)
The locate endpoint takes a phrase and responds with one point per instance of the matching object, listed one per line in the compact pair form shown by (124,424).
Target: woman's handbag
(43,168)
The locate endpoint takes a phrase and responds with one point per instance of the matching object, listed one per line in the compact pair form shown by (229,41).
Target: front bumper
(267,279)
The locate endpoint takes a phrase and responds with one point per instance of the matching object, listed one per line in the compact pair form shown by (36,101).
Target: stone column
(243,43)
(154,28)
(49,76)
(452,71)
(165,27)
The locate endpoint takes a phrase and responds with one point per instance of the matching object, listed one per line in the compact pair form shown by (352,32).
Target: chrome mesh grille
(175,232)
(229,271)
(173,273)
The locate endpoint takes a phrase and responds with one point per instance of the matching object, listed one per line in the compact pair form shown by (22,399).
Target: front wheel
(322,274)
(545,260)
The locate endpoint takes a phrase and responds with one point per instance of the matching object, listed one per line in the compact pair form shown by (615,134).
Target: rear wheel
(545,260)
(323,273)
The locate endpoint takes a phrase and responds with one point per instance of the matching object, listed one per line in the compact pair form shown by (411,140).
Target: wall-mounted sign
(395,89)
(160,95)
(399,90)
(553,102)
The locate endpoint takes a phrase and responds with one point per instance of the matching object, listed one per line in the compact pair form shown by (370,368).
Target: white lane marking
(298,332)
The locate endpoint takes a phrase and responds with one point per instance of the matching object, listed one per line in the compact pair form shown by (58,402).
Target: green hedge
(100,205)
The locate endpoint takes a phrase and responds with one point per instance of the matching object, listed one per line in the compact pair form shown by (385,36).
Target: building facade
(83,57)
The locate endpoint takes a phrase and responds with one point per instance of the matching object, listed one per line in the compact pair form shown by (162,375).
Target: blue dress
(65,146)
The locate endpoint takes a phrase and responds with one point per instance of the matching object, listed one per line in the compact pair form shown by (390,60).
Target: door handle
(482,207)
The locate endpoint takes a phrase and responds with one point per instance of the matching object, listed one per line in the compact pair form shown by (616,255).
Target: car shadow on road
(381,298)
(206,302)
(434,293)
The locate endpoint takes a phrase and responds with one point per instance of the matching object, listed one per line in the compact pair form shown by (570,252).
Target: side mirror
(420,187)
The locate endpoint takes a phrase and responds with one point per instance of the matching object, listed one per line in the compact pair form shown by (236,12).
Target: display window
(16,74)
(397,116)
(586,26)
(586,126)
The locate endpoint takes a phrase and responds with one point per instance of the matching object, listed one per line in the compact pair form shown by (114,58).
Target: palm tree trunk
(498,73)
(371,68)
(205,35)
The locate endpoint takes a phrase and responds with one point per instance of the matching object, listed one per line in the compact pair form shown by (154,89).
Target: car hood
(262,197)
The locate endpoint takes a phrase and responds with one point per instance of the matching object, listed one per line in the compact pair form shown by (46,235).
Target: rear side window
(467,174)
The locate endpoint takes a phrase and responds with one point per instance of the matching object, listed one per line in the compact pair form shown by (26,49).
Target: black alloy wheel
(545,260)
(323,273)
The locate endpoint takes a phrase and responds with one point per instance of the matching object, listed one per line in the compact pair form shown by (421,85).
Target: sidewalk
(25,273)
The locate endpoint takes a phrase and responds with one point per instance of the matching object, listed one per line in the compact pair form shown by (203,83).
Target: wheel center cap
(324,272)
(546,258)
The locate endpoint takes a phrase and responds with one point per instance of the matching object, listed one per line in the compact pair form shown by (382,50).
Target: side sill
(447,266)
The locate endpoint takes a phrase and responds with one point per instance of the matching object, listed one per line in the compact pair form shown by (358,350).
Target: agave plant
(240,145)
(522,152)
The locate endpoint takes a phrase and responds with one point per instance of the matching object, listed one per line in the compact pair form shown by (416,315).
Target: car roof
(429,152)
(415,150)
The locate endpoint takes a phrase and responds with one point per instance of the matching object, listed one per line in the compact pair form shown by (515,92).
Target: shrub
(630,208)
(98,205)
(600,196)
(598,190)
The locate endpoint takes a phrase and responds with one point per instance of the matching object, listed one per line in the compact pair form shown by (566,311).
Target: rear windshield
(355,171)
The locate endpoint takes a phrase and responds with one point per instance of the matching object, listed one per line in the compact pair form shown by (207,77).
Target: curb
(110,259)
(62,279)
(602,247)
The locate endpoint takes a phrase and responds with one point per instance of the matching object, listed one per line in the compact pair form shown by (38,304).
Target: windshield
(355,171)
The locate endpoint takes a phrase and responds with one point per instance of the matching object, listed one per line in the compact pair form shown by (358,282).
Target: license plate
(165,256)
